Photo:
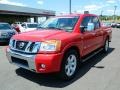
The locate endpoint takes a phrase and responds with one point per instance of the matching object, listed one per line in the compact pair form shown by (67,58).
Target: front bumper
(29,59)
(33,62)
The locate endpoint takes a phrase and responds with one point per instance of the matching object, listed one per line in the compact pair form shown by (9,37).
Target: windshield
(5,26)
(32,25)
(61,23)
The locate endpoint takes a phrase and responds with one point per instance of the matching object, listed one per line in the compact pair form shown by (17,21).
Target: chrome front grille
(22,46)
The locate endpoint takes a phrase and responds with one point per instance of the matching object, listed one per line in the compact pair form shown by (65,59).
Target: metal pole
(101,12)
(115,7)
(101,15)
(70,6)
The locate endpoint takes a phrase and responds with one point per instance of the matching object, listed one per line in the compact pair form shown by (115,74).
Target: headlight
(50,45)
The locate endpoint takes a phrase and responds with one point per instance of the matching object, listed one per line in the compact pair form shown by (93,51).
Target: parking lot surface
(102,72)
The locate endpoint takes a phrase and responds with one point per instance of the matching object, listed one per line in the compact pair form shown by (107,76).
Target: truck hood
(41,35)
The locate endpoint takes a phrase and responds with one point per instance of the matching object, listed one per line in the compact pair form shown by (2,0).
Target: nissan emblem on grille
(21,45)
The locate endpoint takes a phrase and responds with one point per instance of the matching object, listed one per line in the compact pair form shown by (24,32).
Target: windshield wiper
(55,28)
(41,28)
(50,28)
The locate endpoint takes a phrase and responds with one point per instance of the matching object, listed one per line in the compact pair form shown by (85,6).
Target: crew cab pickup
(60,44)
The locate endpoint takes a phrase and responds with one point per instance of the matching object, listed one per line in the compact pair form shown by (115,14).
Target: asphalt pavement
(101,72)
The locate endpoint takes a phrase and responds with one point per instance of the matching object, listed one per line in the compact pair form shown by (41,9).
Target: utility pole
(70,6)
(101,15)
(115,7)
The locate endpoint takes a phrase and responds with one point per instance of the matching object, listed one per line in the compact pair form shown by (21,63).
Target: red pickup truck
(60,44)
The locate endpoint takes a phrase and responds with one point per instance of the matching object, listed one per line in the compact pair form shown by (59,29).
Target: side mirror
(82,28)
(90,26)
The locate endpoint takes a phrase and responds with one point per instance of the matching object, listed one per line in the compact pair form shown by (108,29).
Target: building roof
(19,10)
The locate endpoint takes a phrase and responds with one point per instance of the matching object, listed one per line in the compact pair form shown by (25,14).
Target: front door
(88,36)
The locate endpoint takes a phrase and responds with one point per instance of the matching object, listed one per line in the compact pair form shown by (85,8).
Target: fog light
(43,66)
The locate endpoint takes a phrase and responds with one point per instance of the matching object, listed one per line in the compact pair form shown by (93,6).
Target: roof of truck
(72,15)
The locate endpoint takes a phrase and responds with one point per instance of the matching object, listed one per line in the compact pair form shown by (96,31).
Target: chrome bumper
(30,59)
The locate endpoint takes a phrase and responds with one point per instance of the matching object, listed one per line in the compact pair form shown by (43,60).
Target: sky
(106,7)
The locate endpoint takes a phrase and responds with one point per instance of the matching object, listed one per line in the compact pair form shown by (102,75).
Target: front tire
(69,65)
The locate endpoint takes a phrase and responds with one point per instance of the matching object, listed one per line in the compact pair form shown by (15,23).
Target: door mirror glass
(90,27)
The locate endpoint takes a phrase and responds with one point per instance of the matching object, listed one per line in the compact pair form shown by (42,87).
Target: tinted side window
(5,26)
(96,22)
(86,20)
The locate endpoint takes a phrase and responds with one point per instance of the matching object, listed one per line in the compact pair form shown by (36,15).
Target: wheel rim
(106,45)
(70,66)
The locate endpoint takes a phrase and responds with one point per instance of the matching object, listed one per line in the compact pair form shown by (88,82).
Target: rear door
(98,32)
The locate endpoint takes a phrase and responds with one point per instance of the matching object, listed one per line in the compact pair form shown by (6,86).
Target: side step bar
(91,55)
